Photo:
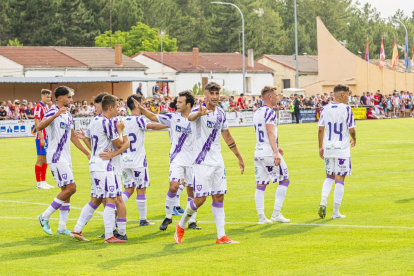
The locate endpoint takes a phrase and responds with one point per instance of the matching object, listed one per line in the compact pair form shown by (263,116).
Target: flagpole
(367,60)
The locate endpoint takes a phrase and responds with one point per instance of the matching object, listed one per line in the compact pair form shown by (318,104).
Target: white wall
(10,68)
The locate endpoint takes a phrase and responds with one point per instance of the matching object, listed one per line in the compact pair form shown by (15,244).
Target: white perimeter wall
(10,68)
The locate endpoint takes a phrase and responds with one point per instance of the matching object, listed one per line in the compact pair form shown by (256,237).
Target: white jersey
(135,156)
(101,132)
(180,135)
(337,118)
(59,133)
(262,117)
(117,160)
(206,137)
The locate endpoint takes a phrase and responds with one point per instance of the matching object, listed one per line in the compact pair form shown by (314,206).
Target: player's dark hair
(173,104)
(130,102)
(98,99)
(341,88)
(63,91)
(189,97)
(46,92)
(212,86)
(267,89)
(107,101)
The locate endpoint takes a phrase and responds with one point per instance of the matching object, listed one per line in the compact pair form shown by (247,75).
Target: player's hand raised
(321,153)
(80,134)
(106,155)
(61,110)
(203,111)
(120,125)
(276,158)
(136,103)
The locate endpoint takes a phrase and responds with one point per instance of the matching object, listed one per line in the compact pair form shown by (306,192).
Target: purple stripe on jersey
(171,195)
(261,188)
(109,167)
(351,120)
(50,114)
(167,115)
(145,164)
(145,176)
(121,219)
(274,117)
(141,197)
(207,146)
(142,122)
(55,205)
(139,124)
(217,204)
(192,205)
(62,142)
(179,146)
(340,182)
(111,134)
(104,126)
(284,183)
(93,206)
(195,109)
(59,177)
(268,116)
(110,205)
(106,184)
(64,208)
(266,113)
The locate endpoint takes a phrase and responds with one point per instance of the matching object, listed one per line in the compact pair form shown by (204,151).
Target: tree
(14,42)
(141,38)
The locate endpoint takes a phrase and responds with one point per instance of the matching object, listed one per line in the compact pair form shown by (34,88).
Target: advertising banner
(307,115)
(360,113)
(285,117)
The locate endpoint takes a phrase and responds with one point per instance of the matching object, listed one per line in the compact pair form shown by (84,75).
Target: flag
(407,63)
(382,54)
(395,54)
(367,51)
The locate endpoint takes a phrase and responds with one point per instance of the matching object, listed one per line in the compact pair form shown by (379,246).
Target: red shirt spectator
(240,102)
(377,99)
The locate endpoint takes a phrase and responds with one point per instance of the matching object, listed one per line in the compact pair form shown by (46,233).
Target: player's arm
(48,120)
(107,155)
(81,136)
(270,128)
(232,145)
(352,132)
(153,126)
(321,132)
(40,133)
(79,145)
(201,112)
(151,116)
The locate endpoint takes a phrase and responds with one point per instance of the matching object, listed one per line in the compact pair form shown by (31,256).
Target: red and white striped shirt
(39,112)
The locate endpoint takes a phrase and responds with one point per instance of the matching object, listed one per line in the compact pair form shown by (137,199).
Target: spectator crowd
(396,104)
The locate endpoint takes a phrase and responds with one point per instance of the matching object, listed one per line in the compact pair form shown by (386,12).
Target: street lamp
(162,32)
(241,14)
(296,48)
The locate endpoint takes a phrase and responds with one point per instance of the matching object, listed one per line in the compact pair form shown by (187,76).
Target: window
(286,83)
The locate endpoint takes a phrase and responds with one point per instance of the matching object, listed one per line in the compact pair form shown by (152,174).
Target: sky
(389,7)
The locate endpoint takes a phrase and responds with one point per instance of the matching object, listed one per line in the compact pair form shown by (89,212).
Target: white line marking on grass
(249,222)
(44,204)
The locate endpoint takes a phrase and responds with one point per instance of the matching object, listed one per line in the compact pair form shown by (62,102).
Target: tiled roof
(388,64)
(87,57)
(182,62)
(307,63)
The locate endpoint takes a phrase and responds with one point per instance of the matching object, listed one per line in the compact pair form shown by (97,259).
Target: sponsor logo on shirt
(65,126)
(183,129)
(211,124)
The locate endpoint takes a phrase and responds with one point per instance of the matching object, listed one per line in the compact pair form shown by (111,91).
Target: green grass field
(376,237)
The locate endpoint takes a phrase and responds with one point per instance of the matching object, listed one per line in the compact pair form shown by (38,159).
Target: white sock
(338,195)
(177,197)
(85,216)
(64,215)
(188,212)
(121,225)
(219,218)
(109,219)
(193,217)
(280,197)
(326,189)
(142,206)
(169,204)
(125,196)
(259,199)
(52,208)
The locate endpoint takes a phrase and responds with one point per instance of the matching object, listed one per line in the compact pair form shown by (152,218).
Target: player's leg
(64,177)
(327,185)
(44,169)
(342,168)
(262,180)
(85,216)
(121,219)
(169,204)
(142,207)
(129,184)
(178,211)
(218,190)
(41,158)
(63,218)
(192,224)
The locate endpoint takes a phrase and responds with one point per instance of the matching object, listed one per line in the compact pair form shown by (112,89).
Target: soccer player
(40,110)
(268,160)
(103,136)
(135,167)
(336,124)
(209,174)
(59,124)
(181,154)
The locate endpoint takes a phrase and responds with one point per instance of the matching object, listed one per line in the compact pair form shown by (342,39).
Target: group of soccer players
(117,158)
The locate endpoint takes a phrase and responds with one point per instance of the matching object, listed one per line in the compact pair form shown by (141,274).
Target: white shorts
(137,177)
(118,182)
(103,185)
(178,172)
(209,180)
(338,166)
(265,170)
(62,173)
